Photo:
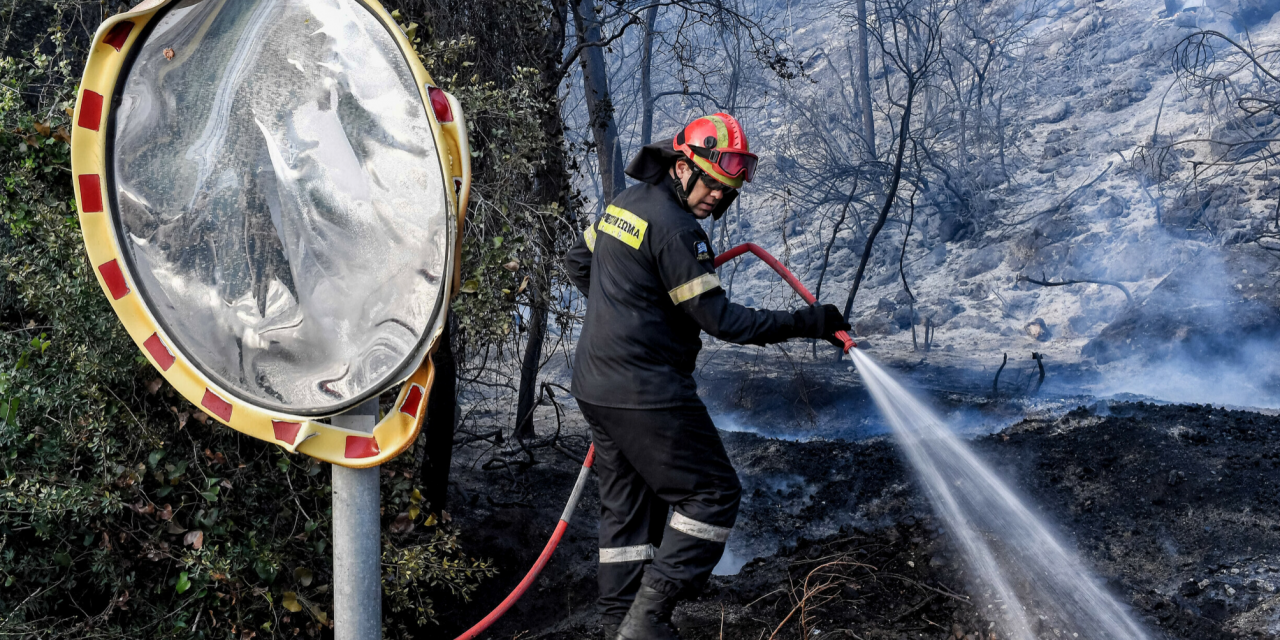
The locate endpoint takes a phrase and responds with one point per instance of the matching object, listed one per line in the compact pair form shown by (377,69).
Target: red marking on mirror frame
(90,192)
(217,406)
(286,432)
(440,104)
(412,400)
(159,352)
(118,35)
(90,110)
(113,277)
(362,447)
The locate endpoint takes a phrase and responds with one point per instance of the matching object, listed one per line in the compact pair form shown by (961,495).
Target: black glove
(823,321)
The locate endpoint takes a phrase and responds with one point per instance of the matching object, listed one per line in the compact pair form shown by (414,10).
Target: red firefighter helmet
(717,145)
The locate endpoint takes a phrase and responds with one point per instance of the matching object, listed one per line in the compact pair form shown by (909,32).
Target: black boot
(649,617)
(609,630)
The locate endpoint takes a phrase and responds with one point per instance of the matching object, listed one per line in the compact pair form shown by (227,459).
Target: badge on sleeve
(700,248)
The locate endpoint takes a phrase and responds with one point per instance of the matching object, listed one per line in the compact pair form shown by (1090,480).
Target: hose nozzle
(848,341)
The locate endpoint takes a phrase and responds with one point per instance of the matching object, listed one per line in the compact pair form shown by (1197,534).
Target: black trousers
(648,460)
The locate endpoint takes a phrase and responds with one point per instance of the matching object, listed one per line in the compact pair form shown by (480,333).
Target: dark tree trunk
(595,85)
(552,187)
(646,76)
(551,182)
(835,233)
(441,420)
(529,366)
(863,73)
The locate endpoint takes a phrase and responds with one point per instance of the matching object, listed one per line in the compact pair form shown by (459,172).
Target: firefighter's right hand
(821,321)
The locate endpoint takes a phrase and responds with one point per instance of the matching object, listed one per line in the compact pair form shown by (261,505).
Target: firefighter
(646,267)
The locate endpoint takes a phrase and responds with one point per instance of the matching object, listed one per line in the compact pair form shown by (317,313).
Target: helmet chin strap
(684,189)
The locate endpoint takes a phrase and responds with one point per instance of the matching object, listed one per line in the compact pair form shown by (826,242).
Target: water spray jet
(1036,582)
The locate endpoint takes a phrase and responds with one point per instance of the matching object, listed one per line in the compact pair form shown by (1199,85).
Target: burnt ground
(1174,507)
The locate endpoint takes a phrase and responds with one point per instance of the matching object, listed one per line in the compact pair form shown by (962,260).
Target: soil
(1175,507)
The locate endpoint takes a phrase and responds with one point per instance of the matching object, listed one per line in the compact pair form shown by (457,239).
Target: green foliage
(506,143)
(124,511)
(516,229)
(432,563)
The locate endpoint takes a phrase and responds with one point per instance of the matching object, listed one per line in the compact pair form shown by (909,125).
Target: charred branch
(494,436)
(995,384)
(584,45)
(894,181)
(521,454)
(686,92)
(1111,283)
(1039,358)
(1062,204)
(913,44)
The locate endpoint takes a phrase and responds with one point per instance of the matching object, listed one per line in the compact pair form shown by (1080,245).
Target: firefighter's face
(702,199)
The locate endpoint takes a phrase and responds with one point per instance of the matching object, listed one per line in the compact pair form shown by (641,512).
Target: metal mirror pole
(357,540)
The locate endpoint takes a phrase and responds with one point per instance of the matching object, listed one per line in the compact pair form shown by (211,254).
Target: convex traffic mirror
(270,193)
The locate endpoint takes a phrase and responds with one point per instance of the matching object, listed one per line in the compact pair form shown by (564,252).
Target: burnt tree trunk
(530,364)
(863,78)
(595,85)
(835,234)
(646,76)
(896,179)
(995,384)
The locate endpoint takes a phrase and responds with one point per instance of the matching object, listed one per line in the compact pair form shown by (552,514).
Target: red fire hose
(546,552)
(565,516)
(786,275)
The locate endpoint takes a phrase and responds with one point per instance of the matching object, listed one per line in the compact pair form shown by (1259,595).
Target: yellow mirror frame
(356,449)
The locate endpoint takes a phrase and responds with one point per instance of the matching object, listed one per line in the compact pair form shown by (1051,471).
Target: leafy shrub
(124,511)
(502,258)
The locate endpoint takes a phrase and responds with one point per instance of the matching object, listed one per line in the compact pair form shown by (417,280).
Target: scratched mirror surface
(280,198)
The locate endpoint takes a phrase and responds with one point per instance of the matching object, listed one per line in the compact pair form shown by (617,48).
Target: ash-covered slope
(1095,192)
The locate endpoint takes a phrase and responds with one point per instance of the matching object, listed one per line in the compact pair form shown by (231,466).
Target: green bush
(500,257)
(124,511)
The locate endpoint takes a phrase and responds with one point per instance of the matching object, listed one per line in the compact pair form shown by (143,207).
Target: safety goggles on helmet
(733,164)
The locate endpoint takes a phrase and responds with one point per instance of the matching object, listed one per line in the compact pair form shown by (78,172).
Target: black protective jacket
(646,269)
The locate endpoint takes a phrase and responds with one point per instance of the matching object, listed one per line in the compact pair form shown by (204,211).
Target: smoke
(1249,379)
(1205,334)
(733,422)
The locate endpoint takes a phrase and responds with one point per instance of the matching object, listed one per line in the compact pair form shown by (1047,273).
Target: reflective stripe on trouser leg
(619,580)
(636,553)
(690,551)
(618,576)
(710,532)
(632,521)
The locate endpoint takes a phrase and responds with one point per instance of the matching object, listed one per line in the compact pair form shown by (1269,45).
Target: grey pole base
(357,540)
